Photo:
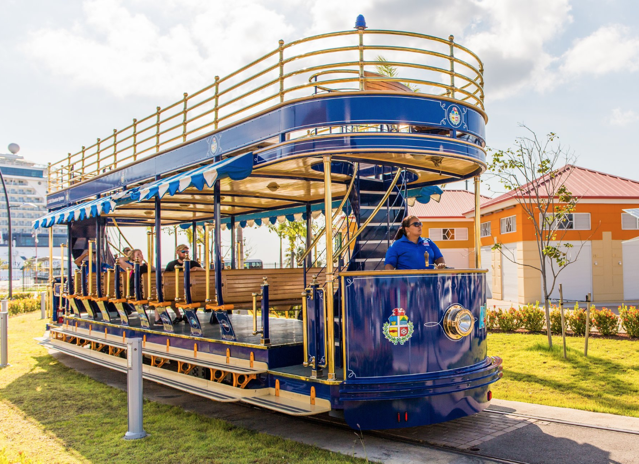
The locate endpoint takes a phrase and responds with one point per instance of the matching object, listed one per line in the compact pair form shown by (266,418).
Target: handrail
(372,215)
(339,208)
(272,79)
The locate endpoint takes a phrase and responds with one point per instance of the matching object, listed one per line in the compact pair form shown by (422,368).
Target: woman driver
(411,251)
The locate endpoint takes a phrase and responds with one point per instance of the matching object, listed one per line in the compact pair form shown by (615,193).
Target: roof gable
(453,204)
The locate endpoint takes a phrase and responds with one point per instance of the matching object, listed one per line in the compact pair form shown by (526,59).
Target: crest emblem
(399,328)
(454,115)
(213,145)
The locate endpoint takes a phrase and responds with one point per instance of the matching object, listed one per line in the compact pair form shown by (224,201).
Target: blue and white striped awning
(237,168)
(79,212)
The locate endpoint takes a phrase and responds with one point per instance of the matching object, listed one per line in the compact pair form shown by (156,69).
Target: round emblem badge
(454,115)
(399,328)
(213,145)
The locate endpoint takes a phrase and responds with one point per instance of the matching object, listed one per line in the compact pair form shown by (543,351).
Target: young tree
(292,231)
(535,173)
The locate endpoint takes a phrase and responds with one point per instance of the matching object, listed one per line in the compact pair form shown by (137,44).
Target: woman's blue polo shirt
(404,254)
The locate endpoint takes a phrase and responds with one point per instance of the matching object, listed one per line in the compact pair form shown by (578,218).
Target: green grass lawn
(51,414)
(606,381)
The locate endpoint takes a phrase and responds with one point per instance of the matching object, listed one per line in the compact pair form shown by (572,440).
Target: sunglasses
(416,224)
(184,252)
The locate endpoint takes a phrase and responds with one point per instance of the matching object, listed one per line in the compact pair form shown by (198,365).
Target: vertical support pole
(149,260)
(361,59)
(588,301)
(135,139)
(451,39)
(218,248)
(98,257)
(137,284)
(117,292)
(4,332)
(207,260)
(240,247)
(563,320)
(266,331)
(281,42)
(97,162)
(233,262)
(184,117)
(68,171)
(159,292)
(91,267)
(61,276)
(51,269)
(70,284)
(217,90)
(82,167)
(194,241)
(329,295)
(187,281)
(157,129)
(309,234)
(134,389)
(477,225)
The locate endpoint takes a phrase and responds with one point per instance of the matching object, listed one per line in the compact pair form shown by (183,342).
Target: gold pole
(108,282)
(452,65)
(77,282)
(135,139)
(328,295)
(149,252)
(127,275)
(177,283)
(281,42)
(477,225)
(217,91)
(184,117)
(51,255)
(90,267)
(62,247)
(207,261)
(361,60)
(157,130)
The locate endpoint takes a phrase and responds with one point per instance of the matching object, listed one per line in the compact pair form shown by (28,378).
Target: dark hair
(405,223)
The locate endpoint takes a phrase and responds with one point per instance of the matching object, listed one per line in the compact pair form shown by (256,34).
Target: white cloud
(622,118)
(607,50)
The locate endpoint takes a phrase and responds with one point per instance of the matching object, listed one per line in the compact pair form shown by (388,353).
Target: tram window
(253,264)
(430,130)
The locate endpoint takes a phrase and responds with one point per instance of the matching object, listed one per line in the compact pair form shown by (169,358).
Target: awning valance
(237,168)
(77,212)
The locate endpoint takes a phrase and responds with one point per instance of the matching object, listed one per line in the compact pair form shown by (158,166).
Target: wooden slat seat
(198,286)
(168,284)
(145,284)
(285,285)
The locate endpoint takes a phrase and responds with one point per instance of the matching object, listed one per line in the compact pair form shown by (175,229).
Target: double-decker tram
(352,126)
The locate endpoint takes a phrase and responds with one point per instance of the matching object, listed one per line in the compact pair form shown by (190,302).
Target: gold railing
(431,65)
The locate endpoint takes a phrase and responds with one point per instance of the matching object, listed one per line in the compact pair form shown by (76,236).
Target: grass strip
(605,381)
(53,414)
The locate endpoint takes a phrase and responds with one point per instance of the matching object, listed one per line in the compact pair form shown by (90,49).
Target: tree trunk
(547,308)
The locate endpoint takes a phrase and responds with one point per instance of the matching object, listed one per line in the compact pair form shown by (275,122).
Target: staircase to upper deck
(371,246)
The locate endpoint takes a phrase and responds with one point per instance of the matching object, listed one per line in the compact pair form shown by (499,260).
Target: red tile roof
(452,205)
(582,183)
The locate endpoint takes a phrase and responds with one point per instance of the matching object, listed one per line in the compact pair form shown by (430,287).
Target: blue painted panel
(317,112)
(371,303)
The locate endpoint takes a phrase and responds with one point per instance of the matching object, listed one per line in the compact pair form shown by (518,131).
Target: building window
(485,229)
(629,222)
(572,221)
(508,225)
(448,234)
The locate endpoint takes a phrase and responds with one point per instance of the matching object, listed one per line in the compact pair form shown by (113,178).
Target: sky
(72,71)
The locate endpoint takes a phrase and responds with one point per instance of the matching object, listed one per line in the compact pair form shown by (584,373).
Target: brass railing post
(451,39)
(98,157)
(149,260)
(62,247)
(361,58)
(157,129)
(207,260)
(68,170)
(477,225)
(329,293)
(135,139)
(91,267)
(184,117)
(281,42)
(217,90)
(82,172)
(115,148)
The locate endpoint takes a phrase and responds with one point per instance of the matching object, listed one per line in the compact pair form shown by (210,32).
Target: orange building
(597,230)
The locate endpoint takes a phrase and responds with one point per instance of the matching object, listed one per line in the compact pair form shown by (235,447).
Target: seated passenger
(84,256)
(182,252)
(411,251)
(125,258)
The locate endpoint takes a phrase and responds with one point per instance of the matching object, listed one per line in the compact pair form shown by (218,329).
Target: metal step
(297,406)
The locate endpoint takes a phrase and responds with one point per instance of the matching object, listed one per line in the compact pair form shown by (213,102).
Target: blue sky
(75,70)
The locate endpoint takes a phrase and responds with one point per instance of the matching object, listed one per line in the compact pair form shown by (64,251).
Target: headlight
(458,322)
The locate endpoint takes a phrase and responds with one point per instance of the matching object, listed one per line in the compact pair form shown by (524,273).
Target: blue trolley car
(353,125)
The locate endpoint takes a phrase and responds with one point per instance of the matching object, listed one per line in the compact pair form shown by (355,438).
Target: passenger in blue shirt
(78,262)
(411,251)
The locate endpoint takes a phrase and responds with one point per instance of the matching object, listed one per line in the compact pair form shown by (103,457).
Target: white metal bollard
(4,330)
(43,305)
(134,384)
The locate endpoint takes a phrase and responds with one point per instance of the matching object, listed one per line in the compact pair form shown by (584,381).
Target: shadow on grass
(91,418)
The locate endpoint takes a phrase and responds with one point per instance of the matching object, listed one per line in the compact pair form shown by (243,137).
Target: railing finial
(360,23)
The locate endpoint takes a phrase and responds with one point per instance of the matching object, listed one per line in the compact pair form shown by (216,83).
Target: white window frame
(485,229)
(629,216)
(459,234)
(504,224)
(572,220)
